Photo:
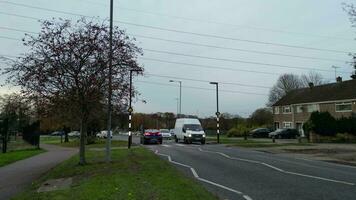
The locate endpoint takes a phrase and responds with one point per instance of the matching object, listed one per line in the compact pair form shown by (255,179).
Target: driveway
(14,178)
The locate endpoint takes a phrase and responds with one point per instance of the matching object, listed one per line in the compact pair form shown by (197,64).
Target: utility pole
(217,111)
(131,109)
(180,95)
(108,136)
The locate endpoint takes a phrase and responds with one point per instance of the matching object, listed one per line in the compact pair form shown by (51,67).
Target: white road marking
(247,197)
(165,145)
(195,174)
(278,169)
(181,145)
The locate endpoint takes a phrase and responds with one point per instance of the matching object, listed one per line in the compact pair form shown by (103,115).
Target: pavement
(237,173)
(15,177)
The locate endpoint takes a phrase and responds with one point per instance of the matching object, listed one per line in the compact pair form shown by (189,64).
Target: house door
(299,127)
(276,125)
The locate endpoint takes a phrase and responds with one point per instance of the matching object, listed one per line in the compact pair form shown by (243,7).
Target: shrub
(240,131)
(326,125)
(322,123)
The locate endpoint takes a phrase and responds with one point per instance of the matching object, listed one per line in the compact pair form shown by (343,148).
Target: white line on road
(165,145)
(195,174)
(181,145)
(276,168)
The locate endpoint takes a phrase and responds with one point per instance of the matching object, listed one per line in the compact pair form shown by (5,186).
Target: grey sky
(318,24)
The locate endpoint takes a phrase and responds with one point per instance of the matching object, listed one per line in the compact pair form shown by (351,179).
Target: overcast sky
(318,24)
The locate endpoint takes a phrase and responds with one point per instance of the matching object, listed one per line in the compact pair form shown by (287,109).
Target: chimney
(339,79)
(311,84)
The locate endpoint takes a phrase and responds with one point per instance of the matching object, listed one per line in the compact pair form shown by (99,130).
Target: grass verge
(13,156)
(133,174)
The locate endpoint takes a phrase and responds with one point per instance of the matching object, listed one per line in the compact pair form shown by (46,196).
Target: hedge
(324,124)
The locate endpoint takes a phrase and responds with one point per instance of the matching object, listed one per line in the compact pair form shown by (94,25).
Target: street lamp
(217,111)
(180,94)
(130,107)
(177,105)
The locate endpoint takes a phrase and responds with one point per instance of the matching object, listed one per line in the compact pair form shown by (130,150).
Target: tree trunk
(82,160)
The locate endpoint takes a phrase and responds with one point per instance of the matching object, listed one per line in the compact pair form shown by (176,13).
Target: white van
(189,130)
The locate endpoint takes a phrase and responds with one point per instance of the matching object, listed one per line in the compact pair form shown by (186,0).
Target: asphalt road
(235,173)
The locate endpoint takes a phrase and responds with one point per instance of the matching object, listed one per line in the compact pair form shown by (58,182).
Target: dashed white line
(165,145)
(195,174)
(278,169)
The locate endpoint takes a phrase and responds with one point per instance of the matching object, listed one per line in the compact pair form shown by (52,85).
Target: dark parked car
(151,136)
(260,133)
(285,133)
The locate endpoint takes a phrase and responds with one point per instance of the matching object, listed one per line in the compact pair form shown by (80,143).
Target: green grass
(253,143)
(133,174)
(74,142)
(13,156)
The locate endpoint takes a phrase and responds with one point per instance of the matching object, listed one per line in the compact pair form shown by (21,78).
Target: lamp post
(108,138)
(130,108)
(177,105)
(217,111)
(180,94)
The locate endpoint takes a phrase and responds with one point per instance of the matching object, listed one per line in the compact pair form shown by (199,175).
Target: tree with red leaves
(67,64)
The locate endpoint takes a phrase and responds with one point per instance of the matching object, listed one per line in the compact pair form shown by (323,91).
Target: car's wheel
(185,140)
(203,142)
(176,139)
(160,142)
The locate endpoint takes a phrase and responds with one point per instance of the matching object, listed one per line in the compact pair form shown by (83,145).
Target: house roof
(329,92)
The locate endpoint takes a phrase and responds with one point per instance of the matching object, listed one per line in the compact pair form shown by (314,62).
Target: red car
(151,136)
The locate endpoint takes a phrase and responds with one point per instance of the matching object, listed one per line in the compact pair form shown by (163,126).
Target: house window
(287,124)
(313,108)
(287,109)
(276,110)
(299,109)
(343,107)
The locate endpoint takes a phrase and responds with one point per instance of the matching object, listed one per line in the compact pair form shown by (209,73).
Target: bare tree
(312,77)
(68,63)
(285,84)
(262,116)
(351,11)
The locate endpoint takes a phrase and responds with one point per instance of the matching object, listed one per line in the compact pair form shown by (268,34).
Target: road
(235,173)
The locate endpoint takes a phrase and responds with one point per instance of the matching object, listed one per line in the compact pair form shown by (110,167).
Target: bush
(324,124)
(240,131)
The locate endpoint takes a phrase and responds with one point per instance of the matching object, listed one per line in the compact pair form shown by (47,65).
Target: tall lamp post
(130,107)
(108,138)
(177,105)
(217,111)
(180,94)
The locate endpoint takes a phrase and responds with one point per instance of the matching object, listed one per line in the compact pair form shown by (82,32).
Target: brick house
(295,108)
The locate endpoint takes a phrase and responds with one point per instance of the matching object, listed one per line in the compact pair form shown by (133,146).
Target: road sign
(130,110)
(217,113)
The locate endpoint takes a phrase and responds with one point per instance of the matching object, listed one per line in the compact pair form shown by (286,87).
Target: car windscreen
(193,127)
(164,131)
